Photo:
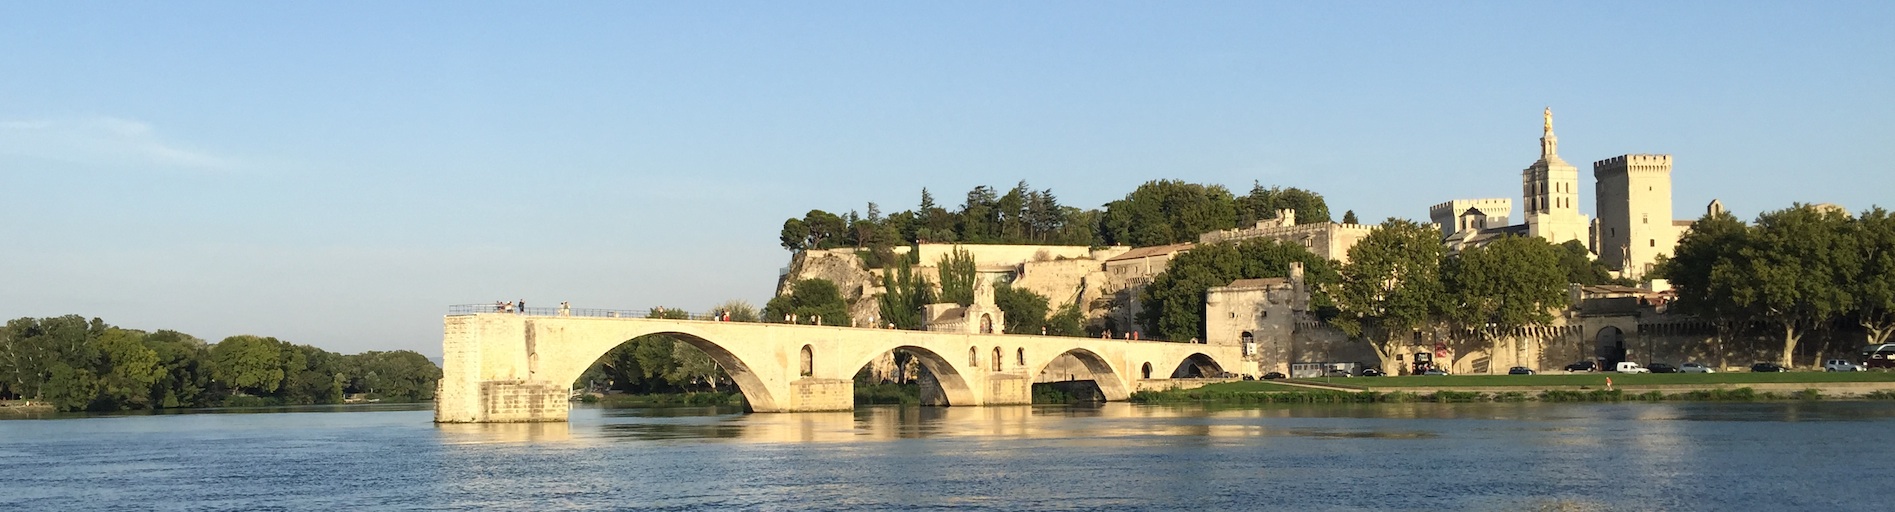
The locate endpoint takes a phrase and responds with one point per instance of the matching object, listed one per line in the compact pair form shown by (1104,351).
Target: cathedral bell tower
(1551,189)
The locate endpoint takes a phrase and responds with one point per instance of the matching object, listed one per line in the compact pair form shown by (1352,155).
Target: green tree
(1873,287)
(957,272)
(904,294)
(131,369)
(810,299)
(183,359)
(1167,212)
(1069,321)
(1262,203)
(1579,266)
(739,310)
(68,388)
(30,348)
(1795,271)
(1391,286)
(795,234)
(1025,311)
(1712,244)
(1174,300)
(1348,217)
(1510,283)
(247,363)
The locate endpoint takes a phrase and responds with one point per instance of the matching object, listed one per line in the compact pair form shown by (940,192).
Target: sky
(338,173)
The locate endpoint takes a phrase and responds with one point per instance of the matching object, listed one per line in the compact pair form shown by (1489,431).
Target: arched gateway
(501,367)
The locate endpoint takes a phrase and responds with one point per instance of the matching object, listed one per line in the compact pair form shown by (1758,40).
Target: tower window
(1654,242)
(1646,218)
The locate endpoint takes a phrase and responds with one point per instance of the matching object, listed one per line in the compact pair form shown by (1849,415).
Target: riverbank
(16,408)
(1257,392)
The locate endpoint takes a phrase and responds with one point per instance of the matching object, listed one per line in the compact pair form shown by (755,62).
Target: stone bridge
(502,367)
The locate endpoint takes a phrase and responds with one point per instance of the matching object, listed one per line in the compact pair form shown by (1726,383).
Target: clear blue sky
(336,173)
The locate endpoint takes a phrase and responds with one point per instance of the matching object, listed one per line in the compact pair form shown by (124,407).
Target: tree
(1873,287)
(1348,217)
(957,272)
(1174,301)
(1025,311)
(738,310)
(247,363)
(1794,272)
(810,299)
(904,294)
(1263,203)
(1391,286)
(1579,266)
(826,230)
(1510,283)
(131,368)
(1069,321)
(795,234)
(1712,243)
(1167,212)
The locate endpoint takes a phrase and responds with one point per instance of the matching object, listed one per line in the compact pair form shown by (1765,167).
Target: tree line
(1792,271)
(1156,213)
(78,364)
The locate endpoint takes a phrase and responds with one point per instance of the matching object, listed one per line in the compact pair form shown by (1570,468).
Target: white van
(1631,367)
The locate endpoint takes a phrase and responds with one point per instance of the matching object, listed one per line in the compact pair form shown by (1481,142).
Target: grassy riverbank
(1598,379)
(1254,392)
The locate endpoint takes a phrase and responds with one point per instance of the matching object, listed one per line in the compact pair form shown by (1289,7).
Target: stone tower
(1634,210)
(1551,189)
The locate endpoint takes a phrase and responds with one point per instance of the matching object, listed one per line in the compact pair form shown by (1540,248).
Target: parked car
(1372,372)
(1583,366)
(1249,377)
(1337,372)
(1767,367)
(1435,371)
(1662,368)
(1630,367)
(1879,356)
(1695,368)
(1273,376)
(1519,370)
(1842,365)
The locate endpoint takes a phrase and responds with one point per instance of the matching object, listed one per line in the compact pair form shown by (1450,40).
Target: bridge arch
(1110,380)
(1197,365)
(755,392)
(953,385)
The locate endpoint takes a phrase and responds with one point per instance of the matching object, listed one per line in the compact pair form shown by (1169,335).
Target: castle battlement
(1635,162)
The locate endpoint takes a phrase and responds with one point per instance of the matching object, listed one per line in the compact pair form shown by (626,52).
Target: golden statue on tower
(1549,119)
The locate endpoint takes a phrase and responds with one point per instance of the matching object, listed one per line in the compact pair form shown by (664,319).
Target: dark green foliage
(1025,310)
(1168,212)
(1263,203)
(905,292)
(809,300)
(95,366)
(957,274)
(1796,269)
(1174,301)
(1391,286)
(1509,283)
(1348,217)
(1579,266)
(1068,321)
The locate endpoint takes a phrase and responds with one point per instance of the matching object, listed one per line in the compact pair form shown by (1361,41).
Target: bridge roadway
(502,367)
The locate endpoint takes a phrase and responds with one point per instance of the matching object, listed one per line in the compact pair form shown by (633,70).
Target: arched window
(1022,352)
(1146,371)
(996,360)
(973,357)
(986,324)
(809,361)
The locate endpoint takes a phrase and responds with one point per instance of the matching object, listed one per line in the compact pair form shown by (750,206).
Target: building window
(996,359)
(1646,218)
(1654,242)
(809,361)
(973,357)
(1022,356)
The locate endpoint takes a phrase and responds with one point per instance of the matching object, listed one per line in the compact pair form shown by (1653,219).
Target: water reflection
(1487,456)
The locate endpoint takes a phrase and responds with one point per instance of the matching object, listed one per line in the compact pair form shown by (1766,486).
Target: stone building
(1635,225)
(1331,240)
(1470,214)
(980,317)
(1551,189)
(1260,315)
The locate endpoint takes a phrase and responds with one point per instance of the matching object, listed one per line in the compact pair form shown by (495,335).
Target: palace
(1633,193)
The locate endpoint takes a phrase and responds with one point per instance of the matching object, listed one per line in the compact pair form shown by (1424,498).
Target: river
(1827,455)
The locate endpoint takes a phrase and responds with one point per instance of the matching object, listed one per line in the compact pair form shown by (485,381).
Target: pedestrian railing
(479,309)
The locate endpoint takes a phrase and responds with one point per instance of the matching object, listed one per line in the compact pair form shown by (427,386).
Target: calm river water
(1513,456)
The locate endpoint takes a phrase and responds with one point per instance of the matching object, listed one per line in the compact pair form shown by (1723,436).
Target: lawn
(1598,379)
(1250,386)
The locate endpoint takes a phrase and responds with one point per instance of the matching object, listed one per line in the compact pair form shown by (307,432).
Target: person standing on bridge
(522,306)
